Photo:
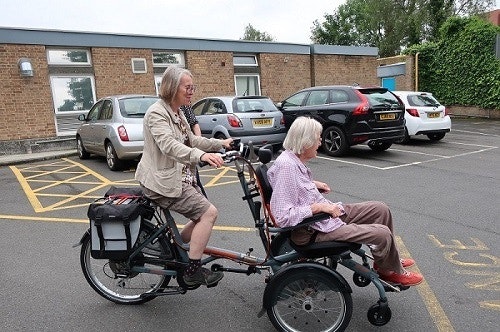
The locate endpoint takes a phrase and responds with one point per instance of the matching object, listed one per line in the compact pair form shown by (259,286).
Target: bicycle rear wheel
(309,301)
(115,281)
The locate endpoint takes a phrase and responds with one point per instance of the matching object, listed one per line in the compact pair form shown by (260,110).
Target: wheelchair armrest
(307,221)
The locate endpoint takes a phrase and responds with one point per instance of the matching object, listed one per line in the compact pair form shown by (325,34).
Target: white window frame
(56,98)
(236,76)
(54,61)
(180,63)
(254,57)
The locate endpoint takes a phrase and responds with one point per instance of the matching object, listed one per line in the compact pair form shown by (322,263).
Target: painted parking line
(433,157)
(431,302)
(44,184)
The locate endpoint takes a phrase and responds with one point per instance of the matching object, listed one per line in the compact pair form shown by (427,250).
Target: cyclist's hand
(227,143)
(213,159)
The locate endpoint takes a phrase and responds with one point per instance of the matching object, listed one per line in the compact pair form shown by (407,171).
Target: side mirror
(279,105)
(81,117)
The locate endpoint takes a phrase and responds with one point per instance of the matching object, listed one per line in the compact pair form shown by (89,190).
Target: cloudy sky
(285,20)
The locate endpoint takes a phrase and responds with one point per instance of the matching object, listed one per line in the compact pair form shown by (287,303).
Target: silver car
(113,128)
(249,118)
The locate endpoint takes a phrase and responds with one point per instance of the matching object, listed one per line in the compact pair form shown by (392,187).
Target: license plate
(267,122)
(387,116)
(433,115)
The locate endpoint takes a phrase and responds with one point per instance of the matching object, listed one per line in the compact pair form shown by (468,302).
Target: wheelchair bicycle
(304,291)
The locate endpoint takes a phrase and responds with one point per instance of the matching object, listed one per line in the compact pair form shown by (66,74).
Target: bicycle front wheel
(309,301)
(115,281)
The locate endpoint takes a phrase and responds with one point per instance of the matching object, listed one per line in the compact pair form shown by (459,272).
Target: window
(317,98)
(245,60)
(247,85)
(339,96)
(68,57)
(163,59)
(296,99)
(72,93)
(106,111)
(168,58)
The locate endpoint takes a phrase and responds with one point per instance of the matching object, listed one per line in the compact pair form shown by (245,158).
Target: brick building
(49,77)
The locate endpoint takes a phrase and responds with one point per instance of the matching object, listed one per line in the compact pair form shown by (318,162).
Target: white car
(424,116)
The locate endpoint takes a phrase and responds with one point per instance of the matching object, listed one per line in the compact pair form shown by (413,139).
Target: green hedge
(461,68)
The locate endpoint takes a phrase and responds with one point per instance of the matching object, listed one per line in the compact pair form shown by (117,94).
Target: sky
(287,21)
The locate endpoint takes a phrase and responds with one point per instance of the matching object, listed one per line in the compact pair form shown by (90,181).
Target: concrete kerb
(15,159)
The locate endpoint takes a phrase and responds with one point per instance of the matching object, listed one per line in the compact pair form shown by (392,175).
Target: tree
(390,25)
(253,34)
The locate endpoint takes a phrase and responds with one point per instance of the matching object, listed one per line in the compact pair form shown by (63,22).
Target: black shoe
(203,277)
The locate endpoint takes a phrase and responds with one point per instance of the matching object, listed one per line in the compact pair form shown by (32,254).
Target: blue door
(389,83)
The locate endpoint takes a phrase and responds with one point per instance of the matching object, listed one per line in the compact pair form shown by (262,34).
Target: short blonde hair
(170,82)
(303,134)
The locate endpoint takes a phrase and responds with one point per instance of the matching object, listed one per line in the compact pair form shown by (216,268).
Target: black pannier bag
(115,222)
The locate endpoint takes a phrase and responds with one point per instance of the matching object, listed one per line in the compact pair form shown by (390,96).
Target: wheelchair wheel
(378,316)
(309,300)
(115,281)
(360,281)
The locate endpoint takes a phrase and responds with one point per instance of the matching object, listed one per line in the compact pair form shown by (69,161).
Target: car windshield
(246,105)
(422,100)
(380,97)
(136,107)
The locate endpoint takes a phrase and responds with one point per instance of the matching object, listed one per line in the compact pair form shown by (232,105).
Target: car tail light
(122,133)
(445,111)
(364,107)
(282,121)
(413,112)
(234,121)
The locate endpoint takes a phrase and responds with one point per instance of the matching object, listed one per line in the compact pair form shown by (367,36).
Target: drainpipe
(416,71)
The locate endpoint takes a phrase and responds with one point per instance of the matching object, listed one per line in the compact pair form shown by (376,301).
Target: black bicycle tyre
(309,300)
(100,276)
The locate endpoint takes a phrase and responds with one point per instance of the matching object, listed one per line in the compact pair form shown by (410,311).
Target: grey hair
(303,134)
(170,82)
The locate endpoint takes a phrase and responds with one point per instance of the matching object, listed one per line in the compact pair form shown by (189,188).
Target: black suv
(350,115)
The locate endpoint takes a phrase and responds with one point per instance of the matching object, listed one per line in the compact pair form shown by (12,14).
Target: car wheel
(82,153)
(112,160)
(220,136)
(334,142)
(436,136)
(379,145)
(405,139)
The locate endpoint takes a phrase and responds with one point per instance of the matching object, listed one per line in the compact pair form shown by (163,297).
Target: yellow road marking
(431,302)
(50,219)
(35,203)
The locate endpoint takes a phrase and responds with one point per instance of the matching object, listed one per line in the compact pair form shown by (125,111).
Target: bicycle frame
(168,224)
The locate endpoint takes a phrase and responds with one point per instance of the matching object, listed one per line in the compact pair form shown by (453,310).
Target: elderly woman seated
(297,196)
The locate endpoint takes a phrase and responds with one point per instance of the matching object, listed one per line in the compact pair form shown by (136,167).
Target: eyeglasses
(190,88)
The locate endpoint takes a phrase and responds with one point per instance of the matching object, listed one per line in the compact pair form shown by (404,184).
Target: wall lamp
(25,67)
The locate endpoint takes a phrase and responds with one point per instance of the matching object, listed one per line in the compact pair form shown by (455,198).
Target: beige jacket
(164,154)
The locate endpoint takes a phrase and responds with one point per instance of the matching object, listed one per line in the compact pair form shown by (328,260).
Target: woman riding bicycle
(167,170)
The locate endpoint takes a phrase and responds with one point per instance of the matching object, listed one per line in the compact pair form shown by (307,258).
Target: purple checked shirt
(293,193)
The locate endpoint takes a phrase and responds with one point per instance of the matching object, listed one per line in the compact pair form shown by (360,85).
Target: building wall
(213,73)
(403,82)
(344,70)
(283,74)
(26,109)
(113,71)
